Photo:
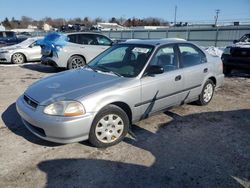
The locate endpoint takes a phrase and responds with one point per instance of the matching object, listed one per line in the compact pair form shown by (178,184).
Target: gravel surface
(187,146)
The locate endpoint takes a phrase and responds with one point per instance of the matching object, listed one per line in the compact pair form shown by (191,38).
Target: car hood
(70,85)
(12,47)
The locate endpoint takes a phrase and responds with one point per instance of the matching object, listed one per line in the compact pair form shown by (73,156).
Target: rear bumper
(236,62)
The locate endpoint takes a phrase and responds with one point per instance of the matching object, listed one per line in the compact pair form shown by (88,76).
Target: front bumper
(5,57)
(54,128)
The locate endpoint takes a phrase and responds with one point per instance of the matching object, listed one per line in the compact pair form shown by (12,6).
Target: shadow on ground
(13,122)
(42,68)
(198,150)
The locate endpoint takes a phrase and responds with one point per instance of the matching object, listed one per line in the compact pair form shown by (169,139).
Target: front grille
(30,101)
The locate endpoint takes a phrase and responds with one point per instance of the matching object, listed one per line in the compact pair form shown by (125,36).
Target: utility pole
(216,17)
(175,12)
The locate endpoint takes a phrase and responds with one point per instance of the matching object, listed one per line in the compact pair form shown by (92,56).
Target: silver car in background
(80,48)
(125,84)
(22,52)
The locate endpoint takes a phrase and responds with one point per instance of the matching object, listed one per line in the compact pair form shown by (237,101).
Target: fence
(220,36)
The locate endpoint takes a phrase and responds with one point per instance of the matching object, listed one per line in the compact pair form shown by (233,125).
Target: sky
(187,10)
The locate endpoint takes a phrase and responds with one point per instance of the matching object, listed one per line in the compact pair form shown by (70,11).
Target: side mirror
(235,41)
(154,69)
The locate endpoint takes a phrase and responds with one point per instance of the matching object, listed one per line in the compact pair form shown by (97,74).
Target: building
(109,27)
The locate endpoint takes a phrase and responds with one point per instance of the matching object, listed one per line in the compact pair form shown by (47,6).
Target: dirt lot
(188,146)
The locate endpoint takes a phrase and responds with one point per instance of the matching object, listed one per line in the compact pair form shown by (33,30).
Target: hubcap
(208,92)
(109,128)
(77,62)
(18,58)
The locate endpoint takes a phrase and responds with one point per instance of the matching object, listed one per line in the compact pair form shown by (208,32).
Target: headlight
(227,50)
(65,108)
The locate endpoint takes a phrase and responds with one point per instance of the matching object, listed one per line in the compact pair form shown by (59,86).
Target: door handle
(205,70)
(177,78)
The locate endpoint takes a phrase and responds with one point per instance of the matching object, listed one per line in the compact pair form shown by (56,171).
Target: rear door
(194,66)
(162,90)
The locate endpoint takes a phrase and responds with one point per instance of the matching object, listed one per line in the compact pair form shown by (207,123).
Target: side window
(72,38)
(9,34)
(166,58)
(86,39)
(101,40)
(191,56)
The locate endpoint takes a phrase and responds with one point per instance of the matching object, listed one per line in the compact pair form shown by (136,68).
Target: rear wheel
(18,58)
(206,93)
(109,127)
(75,62)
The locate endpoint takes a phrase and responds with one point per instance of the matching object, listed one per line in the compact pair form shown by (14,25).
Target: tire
(207,93)
(75,62)
(18,58)
(103,132)
(227,70)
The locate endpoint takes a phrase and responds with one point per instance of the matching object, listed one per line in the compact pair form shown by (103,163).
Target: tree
(6,23)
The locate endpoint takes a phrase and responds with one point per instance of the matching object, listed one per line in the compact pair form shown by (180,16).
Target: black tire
(105,130)
(18,58)
(227,70)
(203,98)
(75,62)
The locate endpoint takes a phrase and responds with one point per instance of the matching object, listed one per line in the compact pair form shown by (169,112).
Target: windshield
(245,38)
(125,60)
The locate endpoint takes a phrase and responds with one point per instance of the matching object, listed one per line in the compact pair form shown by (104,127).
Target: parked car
(79,50)
(8,38)
(237,56)
(28,50)
(125,84)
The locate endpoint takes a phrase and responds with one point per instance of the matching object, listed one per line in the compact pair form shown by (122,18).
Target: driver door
(161,91)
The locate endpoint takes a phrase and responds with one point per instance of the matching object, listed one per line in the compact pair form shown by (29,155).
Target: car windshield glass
(125,60)
(245,38)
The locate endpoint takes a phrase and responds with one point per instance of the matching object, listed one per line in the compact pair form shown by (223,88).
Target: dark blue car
(9,38)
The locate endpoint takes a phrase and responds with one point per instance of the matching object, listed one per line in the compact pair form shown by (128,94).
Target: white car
(28,50)
(80,48)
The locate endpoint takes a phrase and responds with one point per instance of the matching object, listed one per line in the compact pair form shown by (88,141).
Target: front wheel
(109,127)
(206,93)
(75,62)
(18,58)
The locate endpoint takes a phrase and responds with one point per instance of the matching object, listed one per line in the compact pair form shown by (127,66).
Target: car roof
(155,42)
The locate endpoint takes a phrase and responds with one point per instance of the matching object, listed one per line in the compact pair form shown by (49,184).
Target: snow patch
(214,51)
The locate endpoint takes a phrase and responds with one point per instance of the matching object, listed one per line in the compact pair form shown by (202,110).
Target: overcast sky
(188,10)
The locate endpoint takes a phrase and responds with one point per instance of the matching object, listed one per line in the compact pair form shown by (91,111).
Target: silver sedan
(126,83)
(25,51)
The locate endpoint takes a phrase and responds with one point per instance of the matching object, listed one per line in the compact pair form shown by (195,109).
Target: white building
(109,26)
(2,28)
(47,27)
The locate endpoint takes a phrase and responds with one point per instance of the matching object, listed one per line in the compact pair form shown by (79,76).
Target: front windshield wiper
(105,69)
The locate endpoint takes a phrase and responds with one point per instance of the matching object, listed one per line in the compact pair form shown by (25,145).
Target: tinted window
(101,40)
(166,58)
(9,34)
(72,38)
(87,39)
(1,34)
(191,56)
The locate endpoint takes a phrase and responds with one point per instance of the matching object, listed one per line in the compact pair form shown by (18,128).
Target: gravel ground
(187,146)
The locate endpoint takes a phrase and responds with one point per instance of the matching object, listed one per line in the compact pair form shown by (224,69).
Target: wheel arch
(125,107)
(213,80)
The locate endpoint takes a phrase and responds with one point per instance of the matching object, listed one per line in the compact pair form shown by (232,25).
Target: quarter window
(191,56)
